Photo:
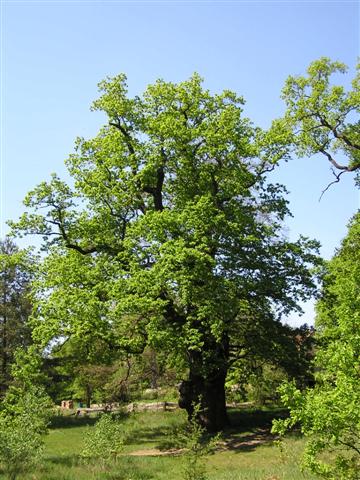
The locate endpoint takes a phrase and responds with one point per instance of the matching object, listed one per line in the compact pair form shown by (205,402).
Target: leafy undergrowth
(246,451)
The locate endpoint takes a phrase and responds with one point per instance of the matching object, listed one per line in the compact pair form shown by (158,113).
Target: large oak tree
(170,236)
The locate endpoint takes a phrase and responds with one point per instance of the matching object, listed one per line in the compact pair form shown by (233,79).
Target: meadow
(246,450)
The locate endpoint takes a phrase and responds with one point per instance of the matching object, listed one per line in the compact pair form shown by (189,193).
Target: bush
(104,441)
(195,443)
(23,422)
(20,446)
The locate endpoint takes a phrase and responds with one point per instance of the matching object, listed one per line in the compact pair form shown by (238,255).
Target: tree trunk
(206,387)
(88,392)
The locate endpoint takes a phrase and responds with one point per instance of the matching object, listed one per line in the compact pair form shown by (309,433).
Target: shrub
(195,443)
(23,422)
(104,441)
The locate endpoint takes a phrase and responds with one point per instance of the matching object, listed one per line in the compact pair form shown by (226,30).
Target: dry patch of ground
(155,452)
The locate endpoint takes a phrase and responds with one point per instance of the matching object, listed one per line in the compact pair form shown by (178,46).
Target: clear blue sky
(55,52)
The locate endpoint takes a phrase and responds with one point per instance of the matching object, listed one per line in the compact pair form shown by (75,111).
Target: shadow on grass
(245,420)
(148,435)
(72,420)
(250,429)
(65,460)
(61,421)
(248,442)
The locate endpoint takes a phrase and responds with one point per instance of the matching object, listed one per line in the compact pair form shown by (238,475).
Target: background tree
(79,370)
(170,236)
(269,356)
(323,118)
(16,271)
(329,414)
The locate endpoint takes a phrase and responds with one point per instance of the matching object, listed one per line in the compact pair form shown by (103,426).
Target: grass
(247,450)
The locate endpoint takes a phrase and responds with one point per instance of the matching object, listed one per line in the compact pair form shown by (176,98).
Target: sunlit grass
(246,452)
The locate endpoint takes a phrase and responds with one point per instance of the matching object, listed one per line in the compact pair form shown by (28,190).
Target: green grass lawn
(246,451)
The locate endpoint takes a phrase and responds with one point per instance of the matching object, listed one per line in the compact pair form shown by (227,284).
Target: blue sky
(55,52)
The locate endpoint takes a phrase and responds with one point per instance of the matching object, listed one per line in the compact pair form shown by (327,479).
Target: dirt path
(155,452)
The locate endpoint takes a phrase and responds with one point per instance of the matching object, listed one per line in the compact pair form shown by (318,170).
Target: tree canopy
(170,236)
(322,118)
(329,414)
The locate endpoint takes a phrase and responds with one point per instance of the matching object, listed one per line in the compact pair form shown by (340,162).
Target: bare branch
(337,180)
(331,159)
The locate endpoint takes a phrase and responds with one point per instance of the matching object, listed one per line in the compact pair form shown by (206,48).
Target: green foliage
(27,369)
(17,269)
(329,414)
(275,354)
(322,117)
(191,439)
(104,441)
(20,447)
(23,422)
(263,384)
(170,235)
(234,460)
(194,468)
(80,369)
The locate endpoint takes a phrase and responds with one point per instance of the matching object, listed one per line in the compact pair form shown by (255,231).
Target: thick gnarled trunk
(210,396)
(206,387)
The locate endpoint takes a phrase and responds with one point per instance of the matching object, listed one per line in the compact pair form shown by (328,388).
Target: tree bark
(206,387)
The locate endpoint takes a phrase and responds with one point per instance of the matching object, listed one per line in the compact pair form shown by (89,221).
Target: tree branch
(126,135)
(73,246)
(337,180)
(156,191)
(339,136)
(334,162)
(349,445)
